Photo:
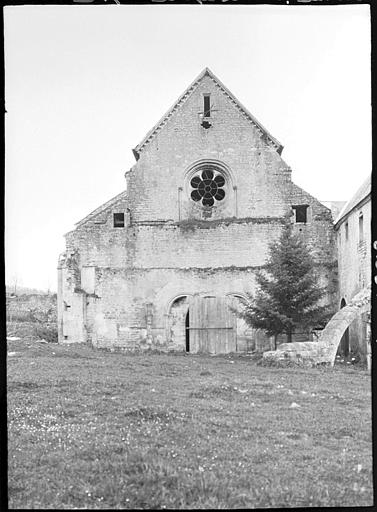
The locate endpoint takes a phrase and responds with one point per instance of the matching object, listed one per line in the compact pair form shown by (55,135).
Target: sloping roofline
(102,208)
(187,92)
(361,194)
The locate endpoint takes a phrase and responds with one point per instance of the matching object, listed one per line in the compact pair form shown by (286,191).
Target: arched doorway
(207,323)
(178,324)
(344,345)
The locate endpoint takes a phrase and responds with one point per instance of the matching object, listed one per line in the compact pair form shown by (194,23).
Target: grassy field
(93,429)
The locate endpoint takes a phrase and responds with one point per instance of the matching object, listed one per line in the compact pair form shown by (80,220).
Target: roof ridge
(363,191)
(169,112)
(187,92)
(242,107)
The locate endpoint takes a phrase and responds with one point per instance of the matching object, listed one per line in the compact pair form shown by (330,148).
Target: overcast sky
(85,83)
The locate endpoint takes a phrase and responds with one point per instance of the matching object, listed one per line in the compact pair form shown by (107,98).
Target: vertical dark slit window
(361,228)
(346,230)
(300,213)
(118,220)
(207,105)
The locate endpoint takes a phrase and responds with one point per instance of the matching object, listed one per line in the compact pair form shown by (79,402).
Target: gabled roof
(206,72)
(102,208)
(355,200)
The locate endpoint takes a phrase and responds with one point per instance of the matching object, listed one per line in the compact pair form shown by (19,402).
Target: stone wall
(255,168)
(354,266)
(117,283)
(354,255)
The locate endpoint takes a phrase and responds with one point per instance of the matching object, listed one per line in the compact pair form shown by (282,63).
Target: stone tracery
(207,186)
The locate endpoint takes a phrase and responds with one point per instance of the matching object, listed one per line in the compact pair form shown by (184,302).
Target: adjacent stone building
(353,228)
(158,265)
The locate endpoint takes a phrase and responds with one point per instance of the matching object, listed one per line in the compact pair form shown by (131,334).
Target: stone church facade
(158,265)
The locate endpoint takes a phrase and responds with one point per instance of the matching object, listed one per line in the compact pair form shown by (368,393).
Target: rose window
(207,187)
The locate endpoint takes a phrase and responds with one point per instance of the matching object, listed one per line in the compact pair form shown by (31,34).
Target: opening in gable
(300,213)
(207,105)
(118,220)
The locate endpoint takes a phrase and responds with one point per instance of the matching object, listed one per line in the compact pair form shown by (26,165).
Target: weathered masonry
(353,230)
(158,265)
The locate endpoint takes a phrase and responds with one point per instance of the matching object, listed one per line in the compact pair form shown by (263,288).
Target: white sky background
(85,83)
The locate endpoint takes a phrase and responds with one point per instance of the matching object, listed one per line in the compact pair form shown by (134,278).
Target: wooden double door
(211,325)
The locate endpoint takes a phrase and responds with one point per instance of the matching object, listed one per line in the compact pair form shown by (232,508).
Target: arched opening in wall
(178,334)
(245,335)
(187,325)
(344,345)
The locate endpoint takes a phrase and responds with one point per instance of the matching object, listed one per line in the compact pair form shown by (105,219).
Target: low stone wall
(305,353)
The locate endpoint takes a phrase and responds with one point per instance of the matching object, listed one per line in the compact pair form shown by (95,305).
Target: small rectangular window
(118,220)
(207,105)
(346,230)
(300,213)
(361,228)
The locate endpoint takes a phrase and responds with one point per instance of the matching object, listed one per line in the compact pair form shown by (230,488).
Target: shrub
(48,332)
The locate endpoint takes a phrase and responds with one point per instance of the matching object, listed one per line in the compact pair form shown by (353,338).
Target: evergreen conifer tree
(288,292)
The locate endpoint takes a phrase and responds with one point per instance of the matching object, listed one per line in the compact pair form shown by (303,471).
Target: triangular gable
(269,138)
(101,209)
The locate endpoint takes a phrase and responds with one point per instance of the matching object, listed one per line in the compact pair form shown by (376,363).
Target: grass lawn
(93,429)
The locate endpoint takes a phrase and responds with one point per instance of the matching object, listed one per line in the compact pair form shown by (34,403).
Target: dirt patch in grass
(205,373)
(25,386)
(223,391)
(149,414)
(90,430)
(73,356)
